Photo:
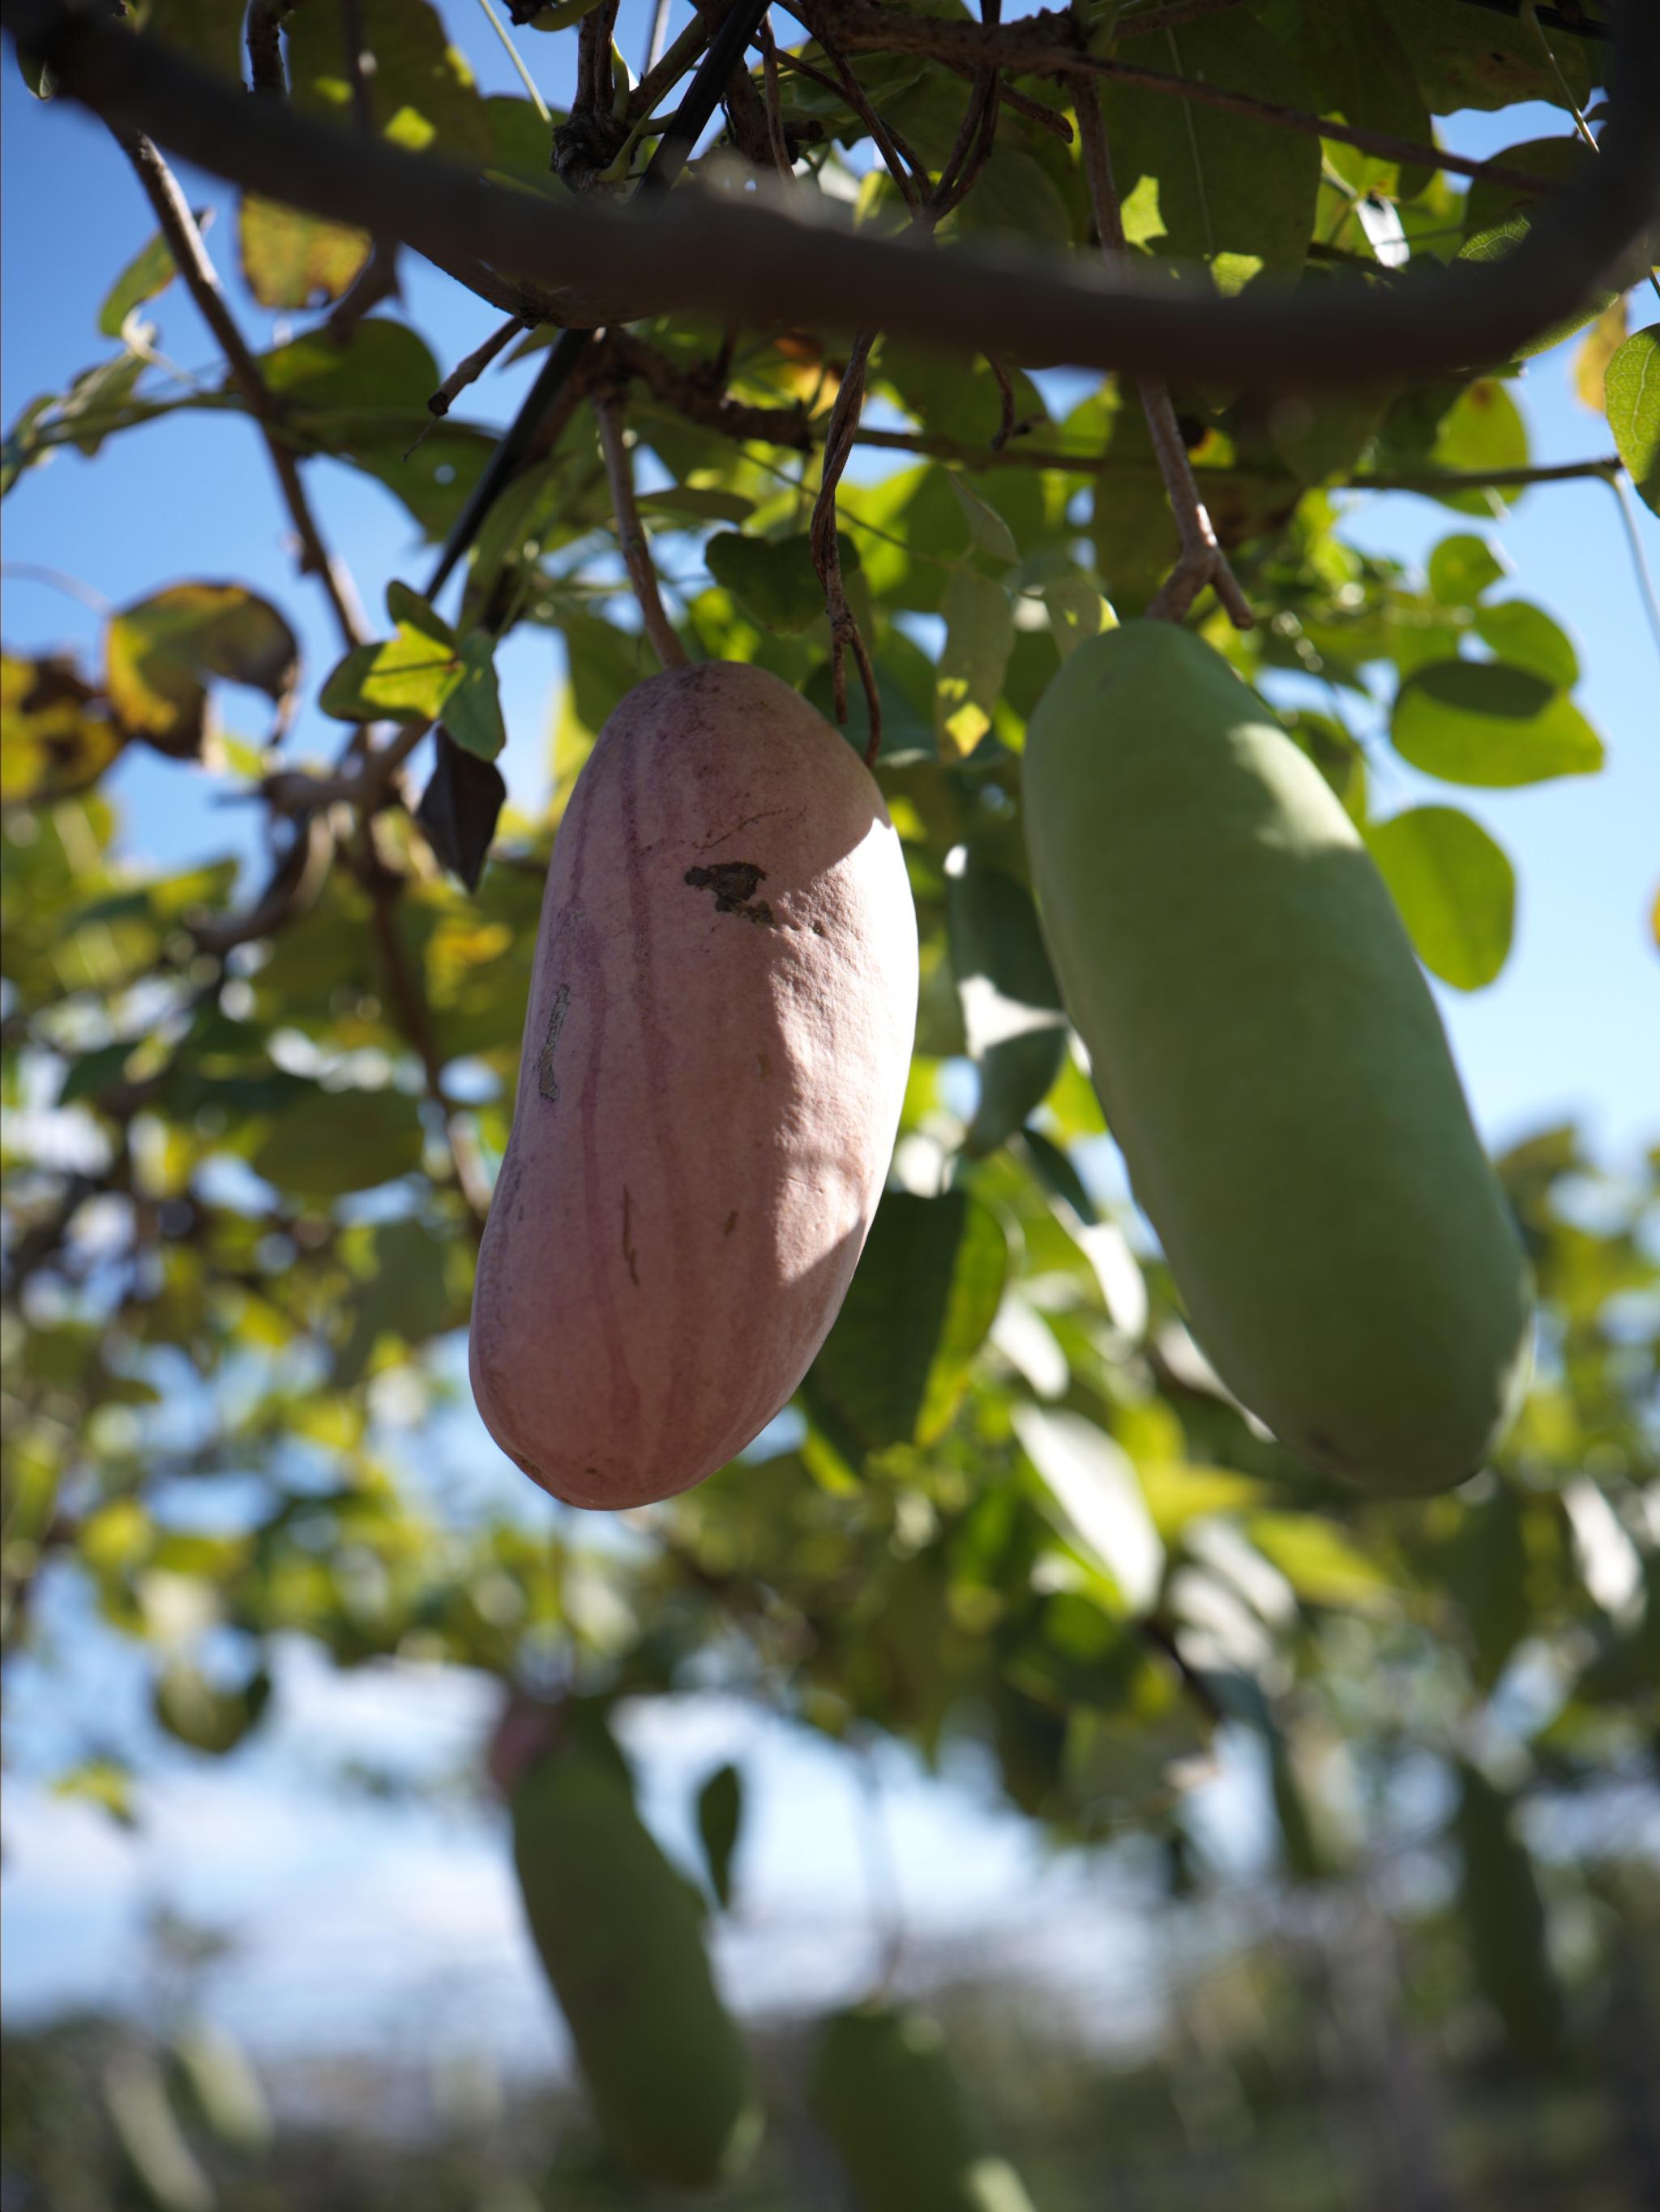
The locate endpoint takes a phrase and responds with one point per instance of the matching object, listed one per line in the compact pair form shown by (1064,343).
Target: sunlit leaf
(162,652)
(1482,722)
(1093,1482)
(1632,392)
(1455,888)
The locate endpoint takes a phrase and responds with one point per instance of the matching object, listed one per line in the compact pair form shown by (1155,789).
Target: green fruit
(1273,1066)
(883,2091)
(1504,1917)
(620,1932)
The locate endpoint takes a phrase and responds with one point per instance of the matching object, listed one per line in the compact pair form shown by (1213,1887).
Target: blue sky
(1573,1028)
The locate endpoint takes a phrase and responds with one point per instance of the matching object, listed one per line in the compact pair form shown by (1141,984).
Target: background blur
(320,1929)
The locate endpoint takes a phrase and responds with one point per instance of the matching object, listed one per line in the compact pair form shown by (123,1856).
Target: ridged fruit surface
(716,1053)
(1273,1066)
(883,2090)
(620,1933)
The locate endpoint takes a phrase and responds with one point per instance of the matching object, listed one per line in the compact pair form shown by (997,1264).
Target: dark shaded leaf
(1012,1012)
(719,1816)
(459,808)
(896,1364)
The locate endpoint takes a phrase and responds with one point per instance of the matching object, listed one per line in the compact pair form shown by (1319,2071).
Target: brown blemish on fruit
(732,1222)
(763,1062)
(628,1240)
(546,1083)
(734,883)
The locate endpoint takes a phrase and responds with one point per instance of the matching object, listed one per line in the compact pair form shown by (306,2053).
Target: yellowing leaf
(160,654)
(290,259)
(56,734)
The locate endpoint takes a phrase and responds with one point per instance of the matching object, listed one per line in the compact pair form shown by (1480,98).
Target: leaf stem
(631,535)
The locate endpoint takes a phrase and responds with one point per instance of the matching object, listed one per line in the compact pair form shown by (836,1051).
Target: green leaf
(150,270)
(1455,888)
(774,578)
(1092,1482)
(191,1710)
(385,367)
(207,30)
(424,96)
(988,532)
(472,712)
(907,735)
(896,1364)
(1527,637)
(160,653)
(1077,609)
(291,259)
(1471,58)
(1014,194)
(405,1297)
(979,637)
(1483,429)
(697,503)
(1319,1561)
(1490,201)
(719,1816)
(1012,1012)
(1631,392)
(1461,568)
(1202,186)
(1481,722)
(330,1142)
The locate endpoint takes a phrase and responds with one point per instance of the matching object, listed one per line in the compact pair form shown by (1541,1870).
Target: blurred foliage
(247,1131)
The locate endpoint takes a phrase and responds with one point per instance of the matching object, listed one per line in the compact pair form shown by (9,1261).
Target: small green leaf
(896,1364)
(1455,888)
(1497,243)
(472,712)
(1461,568)
(150,270)
(1482,429)
(719,1815)
(697,503)
(774,578)
(412,676)
(988,532)
(979,637)
(1012,1012)
(1482,722)
(1077,607)
(1527,637)
(1631,392)
(330,1142)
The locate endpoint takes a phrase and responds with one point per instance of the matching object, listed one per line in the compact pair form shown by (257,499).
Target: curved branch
(763,265)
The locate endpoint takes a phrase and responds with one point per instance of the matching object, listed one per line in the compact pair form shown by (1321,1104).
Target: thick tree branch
(180,230)
(760,266)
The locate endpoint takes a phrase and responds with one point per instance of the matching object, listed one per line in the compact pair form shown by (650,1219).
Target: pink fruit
(715,1051)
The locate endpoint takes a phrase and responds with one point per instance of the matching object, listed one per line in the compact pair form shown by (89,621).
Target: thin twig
(360,65)
(180,230)
(780,144)
(631,535)
(825,544)
(469,371)
(1070,461)
(524,74)
(697,394)
(655,36)
(1202,561)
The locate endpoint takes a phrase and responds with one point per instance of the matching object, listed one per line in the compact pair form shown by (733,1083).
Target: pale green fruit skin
(1272,1066)
(883,2090)
(620,1933)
